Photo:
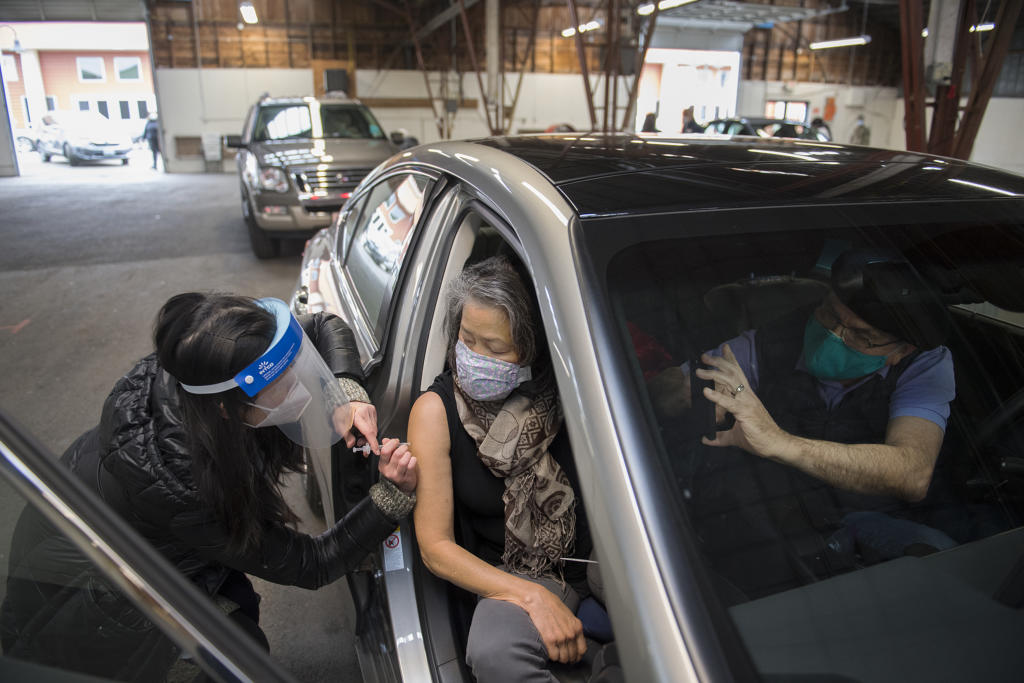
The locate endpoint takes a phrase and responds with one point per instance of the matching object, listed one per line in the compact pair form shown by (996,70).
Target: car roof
(331,97)
(626,173)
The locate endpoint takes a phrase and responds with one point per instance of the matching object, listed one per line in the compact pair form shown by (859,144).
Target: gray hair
(494,283)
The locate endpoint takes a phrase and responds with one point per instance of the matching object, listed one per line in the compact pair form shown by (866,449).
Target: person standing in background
(151,134)
(689,124)
(861,133)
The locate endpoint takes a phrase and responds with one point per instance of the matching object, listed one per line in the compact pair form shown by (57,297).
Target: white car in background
(82,136)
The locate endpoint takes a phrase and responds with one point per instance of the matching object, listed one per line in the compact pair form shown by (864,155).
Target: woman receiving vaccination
(498,512)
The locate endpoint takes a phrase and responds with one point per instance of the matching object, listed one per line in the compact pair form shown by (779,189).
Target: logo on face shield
(264,366)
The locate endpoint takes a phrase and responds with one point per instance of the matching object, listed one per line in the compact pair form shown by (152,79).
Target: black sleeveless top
(479,512)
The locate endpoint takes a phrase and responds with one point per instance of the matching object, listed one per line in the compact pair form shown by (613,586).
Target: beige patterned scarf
(512,439)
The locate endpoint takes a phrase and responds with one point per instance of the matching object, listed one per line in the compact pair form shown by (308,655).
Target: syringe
(366,450)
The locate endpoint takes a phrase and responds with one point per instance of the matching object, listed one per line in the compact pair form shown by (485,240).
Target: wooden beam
(1006,21)
(581,55)
(911,25)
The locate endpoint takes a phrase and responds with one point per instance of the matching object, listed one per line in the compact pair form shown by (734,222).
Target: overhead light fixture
(841,42)
(583,28)
(988,26)
(16,47)
(248,13)
(644,10)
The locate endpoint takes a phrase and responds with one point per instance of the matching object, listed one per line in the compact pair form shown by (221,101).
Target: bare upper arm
(917,434)
(431,444)
(921,440)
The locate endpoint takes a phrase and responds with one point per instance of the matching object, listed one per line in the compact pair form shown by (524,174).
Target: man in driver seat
(836,419)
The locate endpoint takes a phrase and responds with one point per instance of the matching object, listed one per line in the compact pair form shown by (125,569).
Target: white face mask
(484,378)
(289,410)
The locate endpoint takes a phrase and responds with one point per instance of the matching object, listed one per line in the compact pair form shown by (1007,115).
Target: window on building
(9,66)
(28,113)
(143,109)
(51,103)
(91,69)
(103,109)
(128,68)
(126,109)
(794,110)
(83,105)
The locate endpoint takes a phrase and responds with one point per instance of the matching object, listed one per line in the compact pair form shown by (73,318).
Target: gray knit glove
(353,390)
(391,500)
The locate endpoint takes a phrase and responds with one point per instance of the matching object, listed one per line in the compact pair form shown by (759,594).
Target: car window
(44,573)
(315,120)
(284,121)
(84,597)
(379,242)
(821,572)
(349,121)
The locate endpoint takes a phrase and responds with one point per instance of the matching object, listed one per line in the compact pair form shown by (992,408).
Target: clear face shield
(290,387)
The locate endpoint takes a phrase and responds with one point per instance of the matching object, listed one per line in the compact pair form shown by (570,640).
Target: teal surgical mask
(827,357)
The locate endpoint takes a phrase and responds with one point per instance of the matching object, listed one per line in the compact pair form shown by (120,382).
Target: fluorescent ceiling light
(841,42)
(644,10)
(987,26)
(248,13)
(583,28)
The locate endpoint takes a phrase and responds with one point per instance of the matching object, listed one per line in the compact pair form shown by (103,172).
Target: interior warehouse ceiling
(72,10)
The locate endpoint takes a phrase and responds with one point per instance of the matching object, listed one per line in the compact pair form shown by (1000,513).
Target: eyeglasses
(853,337)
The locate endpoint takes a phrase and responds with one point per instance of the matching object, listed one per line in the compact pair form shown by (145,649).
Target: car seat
(750,303)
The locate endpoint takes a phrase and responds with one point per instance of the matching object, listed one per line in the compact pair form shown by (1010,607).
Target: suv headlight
(273,179)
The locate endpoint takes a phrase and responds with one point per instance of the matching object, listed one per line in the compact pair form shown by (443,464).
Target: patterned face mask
(487,379)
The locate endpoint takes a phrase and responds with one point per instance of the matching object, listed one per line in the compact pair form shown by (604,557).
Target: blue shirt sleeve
(926,388)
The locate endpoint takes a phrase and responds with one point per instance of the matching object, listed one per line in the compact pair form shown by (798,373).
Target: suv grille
(331,181)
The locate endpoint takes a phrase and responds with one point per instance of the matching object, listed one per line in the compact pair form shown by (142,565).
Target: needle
(365,448)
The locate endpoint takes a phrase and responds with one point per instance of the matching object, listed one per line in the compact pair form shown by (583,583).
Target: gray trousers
(504,645)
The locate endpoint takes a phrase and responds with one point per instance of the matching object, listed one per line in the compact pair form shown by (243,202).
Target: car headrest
(754,301)
(888,293)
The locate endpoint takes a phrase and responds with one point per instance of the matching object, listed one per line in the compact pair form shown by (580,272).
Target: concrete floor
(88,255)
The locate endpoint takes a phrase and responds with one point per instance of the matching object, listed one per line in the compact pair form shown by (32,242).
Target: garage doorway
(80,94)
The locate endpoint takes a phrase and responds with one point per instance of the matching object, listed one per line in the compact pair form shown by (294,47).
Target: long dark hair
(208,338)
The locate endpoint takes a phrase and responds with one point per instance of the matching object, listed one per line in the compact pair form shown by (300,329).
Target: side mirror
(397,138)
(233,141)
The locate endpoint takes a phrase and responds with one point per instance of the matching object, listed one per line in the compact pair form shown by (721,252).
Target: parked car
(765,128)
(106,557)
(82,136)
(25,139)
(643,252)
(299,159)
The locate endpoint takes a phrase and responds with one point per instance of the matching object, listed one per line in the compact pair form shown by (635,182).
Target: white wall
(196,101)
(875,103)
(998,143)
(193,101)
(8,159)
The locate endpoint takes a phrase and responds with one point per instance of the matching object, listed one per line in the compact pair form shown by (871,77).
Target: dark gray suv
(299,160)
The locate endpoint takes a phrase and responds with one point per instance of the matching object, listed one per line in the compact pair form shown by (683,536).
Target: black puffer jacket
(138,461)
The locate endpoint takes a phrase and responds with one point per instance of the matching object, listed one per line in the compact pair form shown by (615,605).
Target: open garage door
(78,84)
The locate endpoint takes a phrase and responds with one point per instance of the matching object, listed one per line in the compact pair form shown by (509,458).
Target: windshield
(315,120)
(855,491)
